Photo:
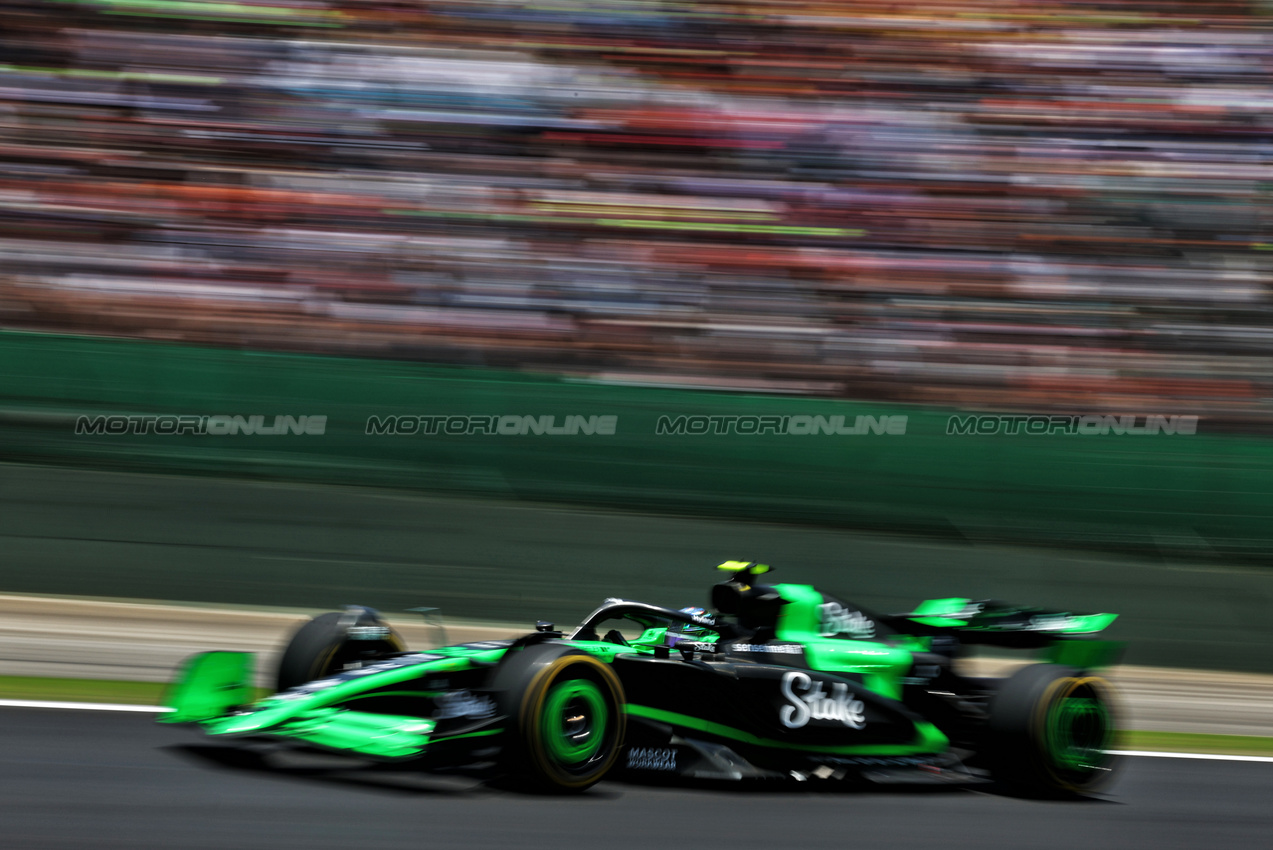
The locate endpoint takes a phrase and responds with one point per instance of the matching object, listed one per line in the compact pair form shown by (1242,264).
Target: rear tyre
(1049,731)
(566,717)
(323,646)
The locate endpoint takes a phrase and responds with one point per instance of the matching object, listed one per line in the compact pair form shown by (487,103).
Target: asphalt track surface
(87,779)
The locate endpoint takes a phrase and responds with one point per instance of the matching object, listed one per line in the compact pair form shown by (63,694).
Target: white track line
(1206,756)
(159,709)
(83,706)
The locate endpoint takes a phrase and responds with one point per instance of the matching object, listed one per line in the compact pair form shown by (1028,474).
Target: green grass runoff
(151,693)
(1191,742)
(81,690)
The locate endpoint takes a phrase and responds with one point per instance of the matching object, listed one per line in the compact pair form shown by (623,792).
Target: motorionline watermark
(1084,425)
(505,425)
(199,424)
(799,425)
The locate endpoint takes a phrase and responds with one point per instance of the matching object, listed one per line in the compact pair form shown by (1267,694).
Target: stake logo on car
(835,619)
(807,700)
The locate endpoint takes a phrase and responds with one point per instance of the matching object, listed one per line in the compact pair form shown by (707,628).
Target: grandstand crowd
(1052,205)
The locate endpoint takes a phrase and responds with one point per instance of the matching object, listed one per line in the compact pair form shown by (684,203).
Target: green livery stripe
(928,739)
(479,734)
(395,694)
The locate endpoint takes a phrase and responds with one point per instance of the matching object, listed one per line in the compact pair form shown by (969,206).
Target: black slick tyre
(1049,730)
(566,718)
(323,646)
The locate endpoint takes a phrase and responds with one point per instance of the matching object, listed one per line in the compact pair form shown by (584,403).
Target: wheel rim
(574,722)
(1078,731)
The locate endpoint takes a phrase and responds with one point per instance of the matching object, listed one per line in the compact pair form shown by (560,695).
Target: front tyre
(1049,731)
(329,644)
(566,716)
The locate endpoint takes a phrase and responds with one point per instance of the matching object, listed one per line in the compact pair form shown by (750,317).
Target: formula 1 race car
(779,681)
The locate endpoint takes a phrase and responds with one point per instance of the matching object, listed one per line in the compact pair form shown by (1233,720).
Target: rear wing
(995,616)
(990,622)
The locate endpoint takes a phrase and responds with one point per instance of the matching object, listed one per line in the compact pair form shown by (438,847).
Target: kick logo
(835,619)
(808,701)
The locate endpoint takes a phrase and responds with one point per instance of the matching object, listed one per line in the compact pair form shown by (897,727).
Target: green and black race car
(778,681)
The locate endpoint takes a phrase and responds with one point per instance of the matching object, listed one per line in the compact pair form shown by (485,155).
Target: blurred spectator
(1036,205)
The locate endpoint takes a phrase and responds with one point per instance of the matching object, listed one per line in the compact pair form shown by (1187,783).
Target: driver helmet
(687,631)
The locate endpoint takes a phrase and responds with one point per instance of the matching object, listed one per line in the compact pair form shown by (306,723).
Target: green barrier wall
(193,538)
(1198,494)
